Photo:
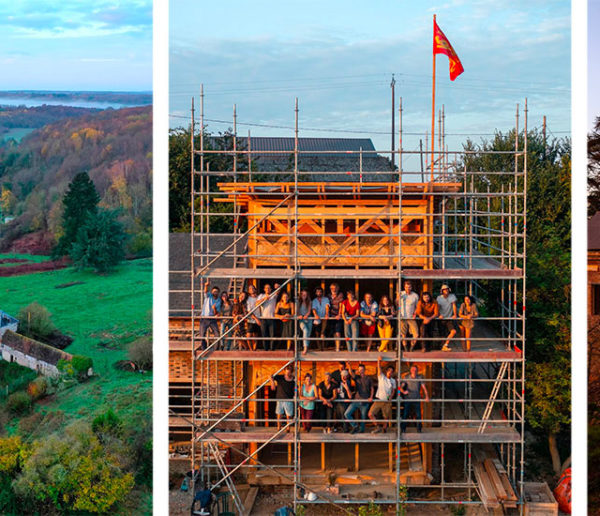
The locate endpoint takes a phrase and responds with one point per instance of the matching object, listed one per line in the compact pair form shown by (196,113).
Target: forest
(114,147)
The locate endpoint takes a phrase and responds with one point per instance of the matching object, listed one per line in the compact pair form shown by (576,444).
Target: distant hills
(114,146)
(113,97)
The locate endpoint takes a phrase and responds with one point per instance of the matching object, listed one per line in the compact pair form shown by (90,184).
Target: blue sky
(338,58)
(76,45)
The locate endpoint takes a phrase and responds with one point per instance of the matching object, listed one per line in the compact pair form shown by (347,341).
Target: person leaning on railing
(267,303)
(407,306)
(253,320)
(386,391)
(335,325)
(327,394)
(305,321)
(427,311)
(384,322)
(320,310)
(467,312)
(368,324)
(307,402)
(239,312)
(284,311)
(350,310)
(346,391)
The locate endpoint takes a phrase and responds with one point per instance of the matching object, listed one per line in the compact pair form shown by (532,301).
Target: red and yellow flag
(441,45)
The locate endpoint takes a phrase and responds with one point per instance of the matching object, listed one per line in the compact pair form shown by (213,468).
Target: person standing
(320,310)
(284,386)
(386,390)
(253,320)
(242,333)
(208,316)
(467,312)
(345,394)
(307,402)
(226,318)
(427,311)
(447,314)
(407,306)
(336,323)
(305,321)
(384,322)
(411,387)
(362,399)
(368,323)
(284,311)
(267,303)
(328,394)
(350,309)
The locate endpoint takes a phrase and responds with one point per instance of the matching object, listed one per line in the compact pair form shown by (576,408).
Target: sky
(593,65)
(338,57)
(100,45)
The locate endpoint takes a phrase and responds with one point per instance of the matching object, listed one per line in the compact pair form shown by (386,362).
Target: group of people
(344,392)
(270,317)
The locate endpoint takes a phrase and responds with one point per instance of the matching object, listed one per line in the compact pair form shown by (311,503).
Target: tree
(73,472)
(548,270)
(100,242)
(80,200)
(8,201)
(594,169)
(35,321)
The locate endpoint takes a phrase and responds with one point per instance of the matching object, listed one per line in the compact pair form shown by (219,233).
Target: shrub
(140,353)
(37,388)
(29,424)
(81,364)
(107,423)
(141,245)
(18,403)
(35,321)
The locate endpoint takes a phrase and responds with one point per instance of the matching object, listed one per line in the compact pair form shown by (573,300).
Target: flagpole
(433,111)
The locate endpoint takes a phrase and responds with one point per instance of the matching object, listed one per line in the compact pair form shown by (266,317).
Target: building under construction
(368,229)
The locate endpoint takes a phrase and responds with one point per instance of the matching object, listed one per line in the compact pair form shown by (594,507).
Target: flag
(441,45)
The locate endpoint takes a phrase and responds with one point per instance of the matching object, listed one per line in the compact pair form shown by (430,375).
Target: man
(386,390)
(345,393)
(327,394)
(210,310)
(407,306)
(368,323)
(447,314)
(336,376)
(253,320)
(320,310)
(336,298)
(284,386)
(362,399)
(267,303)
(411,388)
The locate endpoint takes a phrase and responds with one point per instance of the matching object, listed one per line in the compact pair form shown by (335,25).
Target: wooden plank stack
(494,487)
(539,500)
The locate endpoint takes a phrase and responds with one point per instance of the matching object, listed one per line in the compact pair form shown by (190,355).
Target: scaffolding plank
(428,435)
(331,273)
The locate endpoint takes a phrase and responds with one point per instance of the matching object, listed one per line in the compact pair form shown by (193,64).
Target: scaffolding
(370,230)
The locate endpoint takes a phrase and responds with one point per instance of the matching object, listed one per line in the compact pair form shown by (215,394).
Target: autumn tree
(594,169)
(80,200)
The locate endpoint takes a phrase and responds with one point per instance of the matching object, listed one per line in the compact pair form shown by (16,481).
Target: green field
(103,314)
(29,258)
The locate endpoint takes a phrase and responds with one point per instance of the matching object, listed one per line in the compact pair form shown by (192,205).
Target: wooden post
(391,456)
(322,456)
(356,461)
(289,446)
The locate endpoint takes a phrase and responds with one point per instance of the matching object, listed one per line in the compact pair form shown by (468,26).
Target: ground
(103,314)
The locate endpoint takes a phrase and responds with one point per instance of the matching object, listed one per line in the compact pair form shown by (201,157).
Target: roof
(33,348)
(594,232)
(7,320)
(305,145)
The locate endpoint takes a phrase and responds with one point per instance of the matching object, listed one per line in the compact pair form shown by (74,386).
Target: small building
(31,354)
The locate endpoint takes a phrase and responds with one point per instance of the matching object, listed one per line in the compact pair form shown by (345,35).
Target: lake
(30,102)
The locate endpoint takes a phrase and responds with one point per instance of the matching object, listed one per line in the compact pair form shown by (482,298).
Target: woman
(427,310)
(328,394)
(307,402)
(225,314)
(384,324)
(239,311)
(284,311)
(368,319)
(350,309)
(304,320)
(467,312)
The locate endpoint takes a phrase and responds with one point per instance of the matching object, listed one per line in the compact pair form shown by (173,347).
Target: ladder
(236,284)
(493,396)
(214,450)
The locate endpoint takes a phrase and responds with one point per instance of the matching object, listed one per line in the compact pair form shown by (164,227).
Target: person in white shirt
(447,315)
(267,303)
(253,320)
(407,306)
(386,391)
(210,311)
